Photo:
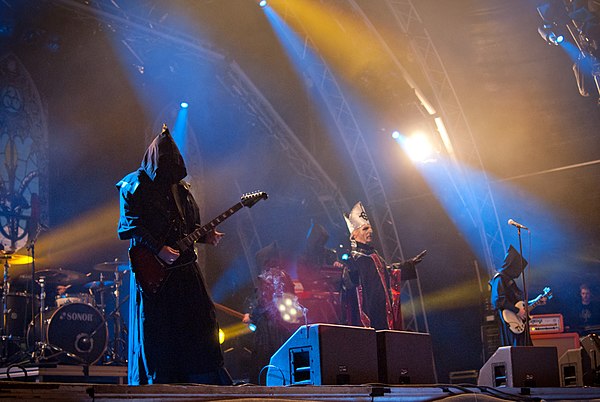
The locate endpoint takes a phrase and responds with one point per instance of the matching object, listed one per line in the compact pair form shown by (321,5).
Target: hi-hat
(112,266)
(56,276)
(98,285)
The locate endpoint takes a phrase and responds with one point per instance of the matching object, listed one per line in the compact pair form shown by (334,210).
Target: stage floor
(54,391)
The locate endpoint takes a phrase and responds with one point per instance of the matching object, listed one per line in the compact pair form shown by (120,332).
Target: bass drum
(75,328)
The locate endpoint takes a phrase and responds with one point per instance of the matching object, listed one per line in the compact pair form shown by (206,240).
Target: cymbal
(112,266)
(56,276)
(16,259)
(98,284)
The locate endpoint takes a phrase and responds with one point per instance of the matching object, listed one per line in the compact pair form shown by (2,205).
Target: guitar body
(515,324)
(150,272)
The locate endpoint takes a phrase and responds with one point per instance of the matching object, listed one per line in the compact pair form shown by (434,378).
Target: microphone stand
(525,295)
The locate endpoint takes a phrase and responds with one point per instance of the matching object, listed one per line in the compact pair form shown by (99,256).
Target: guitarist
(173,332)
(505,294)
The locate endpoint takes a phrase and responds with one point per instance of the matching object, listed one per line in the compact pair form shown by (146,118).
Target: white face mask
(363,234)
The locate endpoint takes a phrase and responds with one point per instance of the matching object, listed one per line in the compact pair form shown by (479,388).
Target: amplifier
(546,324)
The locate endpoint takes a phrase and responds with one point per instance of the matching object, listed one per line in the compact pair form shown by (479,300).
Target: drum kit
(72,328)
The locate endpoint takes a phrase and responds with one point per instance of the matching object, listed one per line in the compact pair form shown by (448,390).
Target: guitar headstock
(249,199)
(547,292)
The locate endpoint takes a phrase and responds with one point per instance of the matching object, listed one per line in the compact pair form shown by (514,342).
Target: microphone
(517,224)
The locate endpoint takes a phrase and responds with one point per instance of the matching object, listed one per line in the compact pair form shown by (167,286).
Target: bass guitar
(516,324)
(151,272)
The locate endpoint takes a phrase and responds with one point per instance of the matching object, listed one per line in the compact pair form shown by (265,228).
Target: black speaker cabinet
(405,358)
(521,366)
(326,354)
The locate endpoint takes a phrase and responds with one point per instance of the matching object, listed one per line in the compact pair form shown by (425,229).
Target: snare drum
(67,298)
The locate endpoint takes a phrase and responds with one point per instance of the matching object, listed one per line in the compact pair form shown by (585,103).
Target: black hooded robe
(505,294)
(173,335)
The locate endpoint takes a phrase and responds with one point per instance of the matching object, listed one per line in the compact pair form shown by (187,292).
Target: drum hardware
(117,350)
(98,285)
(5,290)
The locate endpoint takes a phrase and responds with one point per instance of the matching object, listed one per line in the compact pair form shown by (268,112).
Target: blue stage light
(184,105)
(395,135)
(345,256)
(547,33)
(262,3)
(252,327)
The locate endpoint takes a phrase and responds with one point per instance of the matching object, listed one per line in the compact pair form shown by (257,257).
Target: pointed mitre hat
(357,218)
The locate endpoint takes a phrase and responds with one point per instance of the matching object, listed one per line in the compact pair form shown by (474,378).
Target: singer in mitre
(377,285)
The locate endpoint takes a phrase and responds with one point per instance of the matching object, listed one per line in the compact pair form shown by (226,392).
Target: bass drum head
(75,328)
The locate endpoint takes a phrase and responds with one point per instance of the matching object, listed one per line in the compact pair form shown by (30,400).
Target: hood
(316,238)
(162,161)
(512,263)
(268,257)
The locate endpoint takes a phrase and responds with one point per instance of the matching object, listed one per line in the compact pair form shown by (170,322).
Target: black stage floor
(56,391)
(107,383)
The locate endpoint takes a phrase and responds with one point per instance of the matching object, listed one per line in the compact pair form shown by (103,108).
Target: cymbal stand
(5,290)
(119,344)
(41,346)
(102,304)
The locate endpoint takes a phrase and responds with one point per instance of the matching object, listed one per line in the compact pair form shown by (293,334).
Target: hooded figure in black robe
(505,294)
(173,334)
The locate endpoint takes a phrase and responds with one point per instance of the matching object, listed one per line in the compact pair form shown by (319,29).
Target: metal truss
(139,33)
(462,146)
(301,160)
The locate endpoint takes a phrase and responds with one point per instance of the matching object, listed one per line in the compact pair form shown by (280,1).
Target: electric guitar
(151,272)
(516,324)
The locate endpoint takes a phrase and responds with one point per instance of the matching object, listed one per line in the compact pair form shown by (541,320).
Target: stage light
(345,257)
(395,135)
(184,105)
(547,33)
(418,148)
(252,327)
(262,3)
(221,336)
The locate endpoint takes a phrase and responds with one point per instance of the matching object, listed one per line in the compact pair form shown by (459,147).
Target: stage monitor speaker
(571,369)
(405,358)
(591,345)
(326,354)
(521,366)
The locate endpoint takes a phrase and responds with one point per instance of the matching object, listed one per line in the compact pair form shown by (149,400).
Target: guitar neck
(197,234)
(537,301)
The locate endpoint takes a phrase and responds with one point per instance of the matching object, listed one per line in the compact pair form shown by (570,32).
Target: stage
(49,391)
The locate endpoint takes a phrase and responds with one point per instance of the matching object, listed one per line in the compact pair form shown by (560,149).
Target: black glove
(419,257)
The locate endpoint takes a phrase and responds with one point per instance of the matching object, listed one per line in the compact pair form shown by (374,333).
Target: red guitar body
(151,272)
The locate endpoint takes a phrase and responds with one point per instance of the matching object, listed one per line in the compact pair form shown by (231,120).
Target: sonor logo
(77,317)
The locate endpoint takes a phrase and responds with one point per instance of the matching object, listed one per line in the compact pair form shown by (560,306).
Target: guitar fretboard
(197,234)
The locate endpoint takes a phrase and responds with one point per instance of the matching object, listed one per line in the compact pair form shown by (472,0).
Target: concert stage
(49,391)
